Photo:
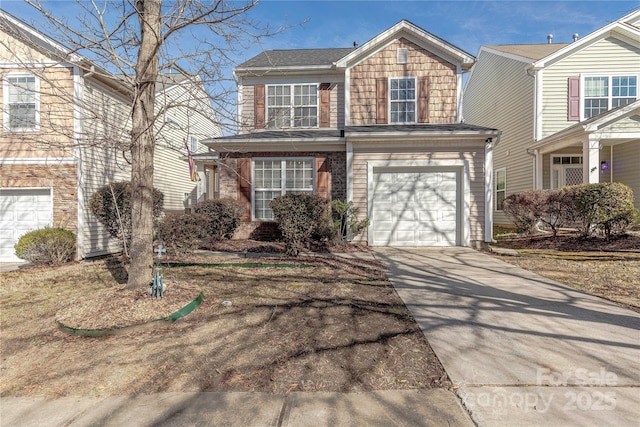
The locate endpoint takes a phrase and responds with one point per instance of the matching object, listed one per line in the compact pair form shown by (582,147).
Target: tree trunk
(143,144)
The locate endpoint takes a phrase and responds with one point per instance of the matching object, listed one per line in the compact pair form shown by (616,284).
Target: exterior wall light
(604,166)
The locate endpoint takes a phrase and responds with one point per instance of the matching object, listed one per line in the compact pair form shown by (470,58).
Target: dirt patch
(329,325)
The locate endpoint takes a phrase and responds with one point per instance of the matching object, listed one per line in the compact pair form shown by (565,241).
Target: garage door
(21,210)
(415,207)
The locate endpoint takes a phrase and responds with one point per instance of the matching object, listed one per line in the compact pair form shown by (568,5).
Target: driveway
(522,349)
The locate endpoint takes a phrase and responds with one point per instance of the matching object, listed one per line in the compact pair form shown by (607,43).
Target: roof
(422,127)
(296,57)
(531,51)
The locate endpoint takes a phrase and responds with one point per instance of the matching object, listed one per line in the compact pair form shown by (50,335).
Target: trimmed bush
(345,220)
(557,209)
(525,209)
(223,215)
(182,233)
(50,246)
(111,204)
(604,207)
(301,218)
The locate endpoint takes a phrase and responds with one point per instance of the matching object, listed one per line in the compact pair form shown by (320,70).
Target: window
(193,144)
(402,96)
(292,106)
(602,93)
(501,187)
(277,177)
(21,102)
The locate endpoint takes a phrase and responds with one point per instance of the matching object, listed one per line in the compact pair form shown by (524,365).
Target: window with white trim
(602,93)
(501,187)
(193,144)
(277,177)
(292,106)
(21,102)
(402,99)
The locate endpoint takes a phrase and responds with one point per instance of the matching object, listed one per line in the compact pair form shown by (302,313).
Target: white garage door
(22,210)
(415,207)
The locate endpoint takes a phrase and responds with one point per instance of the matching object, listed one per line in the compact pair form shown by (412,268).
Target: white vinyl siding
(488,101)
(624,167)
(609,56)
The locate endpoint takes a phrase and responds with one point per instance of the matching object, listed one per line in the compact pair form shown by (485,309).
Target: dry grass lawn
(332,325)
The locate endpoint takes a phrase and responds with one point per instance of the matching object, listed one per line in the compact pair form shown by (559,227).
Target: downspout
(78,95)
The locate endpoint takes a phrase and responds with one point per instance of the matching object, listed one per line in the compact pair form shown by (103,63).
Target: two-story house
(376,124)
(569,113)
(65,130)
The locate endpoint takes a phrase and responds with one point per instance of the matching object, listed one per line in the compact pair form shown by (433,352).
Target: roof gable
(415,34)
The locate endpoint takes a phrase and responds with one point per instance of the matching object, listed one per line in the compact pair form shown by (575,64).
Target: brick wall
(63,180)
(269,231)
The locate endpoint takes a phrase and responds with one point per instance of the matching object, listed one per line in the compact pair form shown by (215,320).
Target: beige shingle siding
(473,154)
(606,56)
(489,101)
(442,82)
(247,121)
(626,158)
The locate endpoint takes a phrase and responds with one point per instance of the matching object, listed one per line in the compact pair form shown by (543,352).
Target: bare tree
(137,41)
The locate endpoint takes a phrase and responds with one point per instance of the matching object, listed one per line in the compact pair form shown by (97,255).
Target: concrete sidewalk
(387,408)
(522,350)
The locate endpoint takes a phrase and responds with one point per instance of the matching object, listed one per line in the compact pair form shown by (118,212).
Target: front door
(566,170)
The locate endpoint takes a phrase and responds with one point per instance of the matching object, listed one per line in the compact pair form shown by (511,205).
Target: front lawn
(609,270)
(330,325)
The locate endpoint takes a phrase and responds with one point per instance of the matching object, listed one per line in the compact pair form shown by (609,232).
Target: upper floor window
(402,99)
(193,144)
(21,102)
(602,93)
(292,106)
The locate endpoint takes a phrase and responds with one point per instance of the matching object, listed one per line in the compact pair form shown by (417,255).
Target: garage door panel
(415,209)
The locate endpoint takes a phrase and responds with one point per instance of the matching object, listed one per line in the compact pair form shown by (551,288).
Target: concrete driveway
(523,349)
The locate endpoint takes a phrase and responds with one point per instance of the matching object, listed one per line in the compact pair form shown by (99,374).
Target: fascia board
(415,135)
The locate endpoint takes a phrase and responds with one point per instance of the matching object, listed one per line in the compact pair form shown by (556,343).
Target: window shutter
(323,177)
(244,187)
(325,105)
(381,100)
(573,102)
(258,106)
(423,100)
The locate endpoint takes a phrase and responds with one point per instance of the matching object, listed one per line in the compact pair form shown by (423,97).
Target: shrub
(604,207)
(557,209)
(223,217)
(182,232)
(111,204)
(49,246)
(301,217)
(525,209)
(345,220)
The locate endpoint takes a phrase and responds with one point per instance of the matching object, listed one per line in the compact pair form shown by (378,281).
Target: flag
(193,170)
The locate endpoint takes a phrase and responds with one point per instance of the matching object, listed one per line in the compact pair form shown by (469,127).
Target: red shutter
(325,105)
(381,101)
(244,187)
(258,106)
(423,100)
(573,100)
(323,177)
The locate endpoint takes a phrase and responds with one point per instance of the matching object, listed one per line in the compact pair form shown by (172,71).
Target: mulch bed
(571,242)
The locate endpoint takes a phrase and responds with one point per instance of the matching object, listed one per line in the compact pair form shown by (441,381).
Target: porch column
(538,170)
(591,160)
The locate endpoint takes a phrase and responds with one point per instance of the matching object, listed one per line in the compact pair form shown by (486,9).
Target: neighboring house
(65,130)
(377,125)
(568,113)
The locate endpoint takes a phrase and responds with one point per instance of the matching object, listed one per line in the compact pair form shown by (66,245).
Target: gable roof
(330,58)
(532,52)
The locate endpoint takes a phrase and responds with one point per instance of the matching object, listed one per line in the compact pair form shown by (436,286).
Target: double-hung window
(21,102)
(402,99)
(292,106)
(602,93)
(277,177)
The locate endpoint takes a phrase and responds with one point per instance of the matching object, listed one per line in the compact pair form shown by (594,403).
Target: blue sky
(466,24)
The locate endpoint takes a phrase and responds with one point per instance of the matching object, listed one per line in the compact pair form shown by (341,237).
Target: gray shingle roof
(534,52)
(296,57)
